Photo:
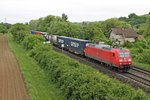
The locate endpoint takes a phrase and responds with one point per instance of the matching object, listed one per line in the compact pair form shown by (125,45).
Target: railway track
(145,72)
(140,75)
(136,77)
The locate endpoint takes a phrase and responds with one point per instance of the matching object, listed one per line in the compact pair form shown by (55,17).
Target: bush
(3,28)
(128,44)
(145,57)
(19,31)
(30,41)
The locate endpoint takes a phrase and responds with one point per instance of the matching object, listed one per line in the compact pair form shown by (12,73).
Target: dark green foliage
(132,15)
(92,31)
(141,55)
(30,41)
(137,20)
(144,58)
(134,19)
(33,24)
(19,31)
(65,29)
(3,28)
(64,17)
(44,24)
(128,44)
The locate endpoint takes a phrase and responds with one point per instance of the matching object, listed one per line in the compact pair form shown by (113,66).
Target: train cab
(124,59)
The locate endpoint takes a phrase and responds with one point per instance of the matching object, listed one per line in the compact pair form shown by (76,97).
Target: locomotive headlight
(120,60)
(129,59)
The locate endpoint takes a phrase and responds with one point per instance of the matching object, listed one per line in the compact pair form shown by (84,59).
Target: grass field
(38,86)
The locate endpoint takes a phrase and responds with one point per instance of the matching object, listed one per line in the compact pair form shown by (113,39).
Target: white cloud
(77,10)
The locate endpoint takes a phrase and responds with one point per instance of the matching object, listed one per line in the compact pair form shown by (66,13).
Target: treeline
(77,81)
(95,31)
(140,23)
(91,30)
(99,31)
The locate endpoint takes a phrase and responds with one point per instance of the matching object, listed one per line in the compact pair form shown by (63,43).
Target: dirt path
(12,86)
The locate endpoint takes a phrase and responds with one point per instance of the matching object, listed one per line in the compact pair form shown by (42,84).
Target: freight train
(117,58)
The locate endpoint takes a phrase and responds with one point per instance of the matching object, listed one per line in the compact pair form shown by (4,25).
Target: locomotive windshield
(124,54)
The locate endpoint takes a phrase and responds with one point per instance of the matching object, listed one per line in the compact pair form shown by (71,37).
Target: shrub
(145,57)
(19,31)
(30,41)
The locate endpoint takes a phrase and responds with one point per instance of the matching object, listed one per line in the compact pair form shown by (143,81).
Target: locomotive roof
(106,47)
(74,38)
(101,46)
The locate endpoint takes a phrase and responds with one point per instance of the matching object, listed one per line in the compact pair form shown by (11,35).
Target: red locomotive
(118,58)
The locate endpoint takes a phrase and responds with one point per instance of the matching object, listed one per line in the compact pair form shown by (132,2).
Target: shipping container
(75,45)
(61,41)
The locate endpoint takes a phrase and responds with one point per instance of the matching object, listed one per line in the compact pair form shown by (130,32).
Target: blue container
(72,44)
(61,41)
(76,45)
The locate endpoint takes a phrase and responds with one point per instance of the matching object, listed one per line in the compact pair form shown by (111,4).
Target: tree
(113,23)
(64,17)
(123,19)
(33,24)
(19,31)
(64,28)
(92,31)
(3,28)
(132,15)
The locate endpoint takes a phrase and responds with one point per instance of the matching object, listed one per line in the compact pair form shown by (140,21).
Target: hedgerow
(79,81)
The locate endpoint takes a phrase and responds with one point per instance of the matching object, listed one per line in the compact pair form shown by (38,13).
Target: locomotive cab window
(124,54)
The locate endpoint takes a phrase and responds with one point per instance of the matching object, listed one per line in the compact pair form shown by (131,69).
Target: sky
(13,11)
